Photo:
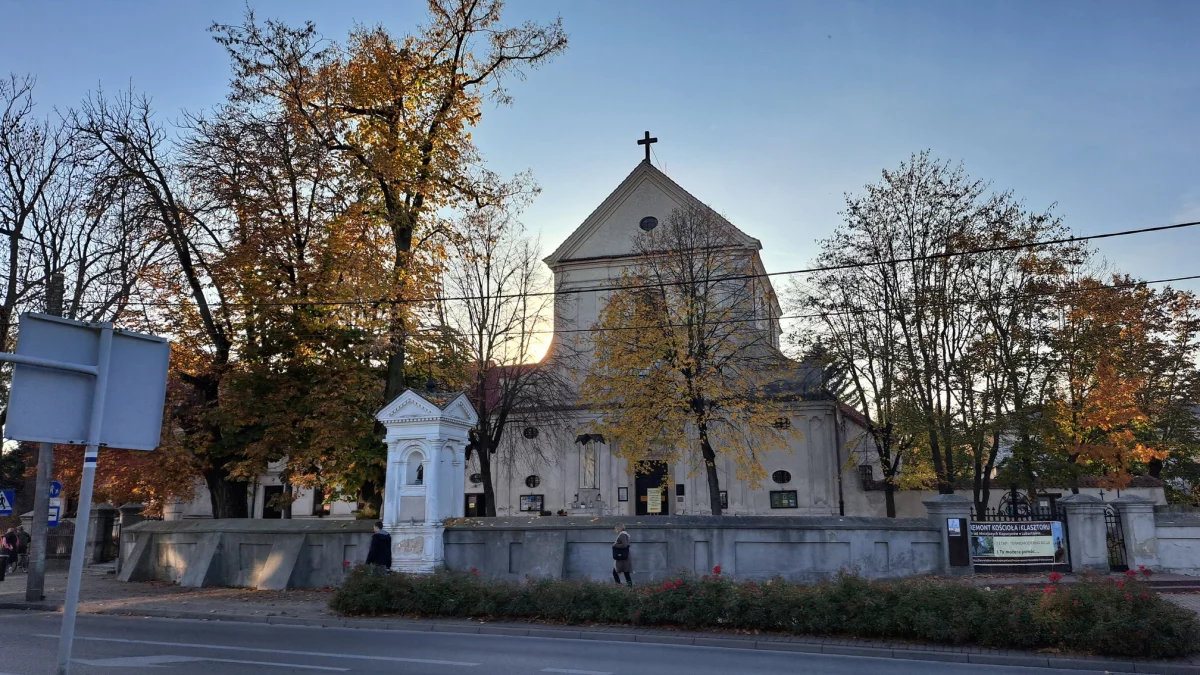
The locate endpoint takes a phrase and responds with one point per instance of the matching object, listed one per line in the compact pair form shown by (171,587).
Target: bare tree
(500,314)
(140,158)
(686,351)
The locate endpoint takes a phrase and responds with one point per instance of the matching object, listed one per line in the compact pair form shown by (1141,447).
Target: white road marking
(261,650)
(572,671)
(151,661)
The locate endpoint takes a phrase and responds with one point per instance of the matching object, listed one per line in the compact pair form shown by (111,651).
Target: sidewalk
(103,594)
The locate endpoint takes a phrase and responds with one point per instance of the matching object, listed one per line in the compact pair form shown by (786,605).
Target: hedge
(1095,616)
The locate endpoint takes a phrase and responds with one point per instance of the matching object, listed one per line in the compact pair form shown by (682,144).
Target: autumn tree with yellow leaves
(684,354)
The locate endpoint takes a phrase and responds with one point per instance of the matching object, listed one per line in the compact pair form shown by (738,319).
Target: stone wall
(1178,535)
(749,547)
(266,554)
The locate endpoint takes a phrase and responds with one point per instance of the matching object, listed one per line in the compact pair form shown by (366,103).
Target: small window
(648,223)
(782,477)
(782,423)
(530,433)
(533,481)
(477,478)
(724,499)
(784,499)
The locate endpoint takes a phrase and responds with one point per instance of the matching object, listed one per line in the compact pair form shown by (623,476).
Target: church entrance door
(650,485)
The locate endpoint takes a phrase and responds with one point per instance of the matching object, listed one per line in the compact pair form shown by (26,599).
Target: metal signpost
(63,374)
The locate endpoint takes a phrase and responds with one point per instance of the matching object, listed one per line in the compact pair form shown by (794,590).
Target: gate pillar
(1087,535)
(1139,530)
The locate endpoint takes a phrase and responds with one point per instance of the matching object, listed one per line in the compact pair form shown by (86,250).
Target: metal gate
(1115,537)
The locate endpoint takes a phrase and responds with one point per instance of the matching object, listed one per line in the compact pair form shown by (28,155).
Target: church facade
(583,474)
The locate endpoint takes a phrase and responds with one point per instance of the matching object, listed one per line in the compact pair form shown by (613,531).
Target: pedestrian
(8,547)
(621,560)
(23,540)
(380,552)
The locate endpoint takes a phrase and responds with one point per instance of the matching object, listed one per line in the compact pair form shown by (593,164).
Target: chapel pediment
(410,404)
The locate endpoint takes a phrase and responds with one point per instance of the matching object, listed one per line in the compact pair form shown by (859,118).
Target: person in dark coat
(380,552)
(622,561)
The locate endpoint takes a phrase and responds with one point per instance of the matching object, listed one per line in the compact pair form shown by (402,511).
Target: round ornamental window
(648,223)
(781,477)
(533,481)
(476,478)
(530,432)
(782,423)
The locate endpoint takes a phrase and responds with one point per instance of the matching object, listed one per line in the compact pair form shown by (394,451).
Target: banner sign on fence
(1018,543)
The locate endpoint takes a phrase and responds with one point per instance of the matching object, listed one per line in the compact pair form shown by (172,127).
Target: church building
(582,475)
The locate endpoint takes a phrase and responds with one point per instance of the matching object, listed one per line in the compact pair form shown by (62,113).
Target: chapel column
(432,474)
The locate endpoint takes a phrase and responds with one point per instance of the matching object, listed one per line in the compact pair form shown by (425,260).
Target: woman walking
(621,561)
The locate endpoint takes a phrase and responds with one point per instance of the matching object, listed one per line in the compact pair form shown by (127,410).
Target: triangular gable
(610,229)
(410,404)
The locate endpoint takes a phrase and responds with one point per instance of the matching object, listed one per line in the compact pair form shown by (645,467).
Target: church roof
(643,173)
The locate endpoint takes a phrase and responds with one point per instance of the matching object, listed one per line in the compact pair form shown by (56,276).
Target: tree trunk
(1154,469)
(228,497)
(485,472)
(889,498)
(710,467)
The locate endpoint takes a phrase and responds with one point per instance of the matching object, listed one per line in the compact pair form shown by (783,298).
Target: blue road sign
(55,512)
(6,502)
(55,488)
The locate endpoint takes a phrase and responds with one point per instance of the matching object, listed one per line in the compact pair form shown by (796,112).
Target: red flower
(1049,590)
(1146,572)
(1055,577)
(345,563)
(1128,596)
(474,571)
(1075,602)
(717,570)
(1130,573)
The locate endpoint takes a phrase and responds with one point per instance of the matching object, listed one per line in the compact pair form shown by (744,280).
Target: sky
(769,111)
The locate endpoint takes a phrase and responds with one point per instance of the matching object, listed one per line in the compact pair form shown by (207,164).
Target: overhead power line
(437,331)
(732,277)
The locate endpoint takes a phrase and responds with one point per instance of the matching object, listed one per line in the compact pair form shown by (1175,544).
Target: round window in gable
(648,223)
(781,477)
(533,481)
(530,433)
(477,478)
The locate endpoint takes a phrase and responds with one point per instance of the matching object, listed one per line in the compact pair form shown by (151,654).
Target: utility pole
(35,581)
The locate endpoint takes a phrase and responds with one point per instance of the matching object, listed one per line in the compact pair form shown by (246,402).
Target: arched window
(415,474)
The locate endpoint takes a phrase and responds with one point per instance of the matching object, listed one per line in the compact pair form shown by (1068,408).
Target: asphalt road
(112,645)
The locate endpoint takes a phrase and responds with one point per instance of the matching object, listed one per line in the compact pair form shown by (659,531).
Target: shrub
(1107,617)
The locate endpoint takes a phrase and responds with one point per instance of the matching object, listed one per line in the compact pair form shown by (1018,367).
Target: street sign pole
(35,578)
(79,543)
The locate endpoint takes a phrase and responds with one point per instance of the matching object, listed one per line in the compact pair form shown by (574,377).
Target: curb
(33,606)
(1022,660)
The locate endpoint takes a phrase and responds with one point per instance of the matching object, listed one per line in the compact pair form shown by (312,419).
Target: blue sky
(768,111)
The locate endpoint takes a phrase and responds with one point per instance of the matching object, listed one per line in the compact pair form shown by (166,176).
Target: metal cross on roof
(646,141)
